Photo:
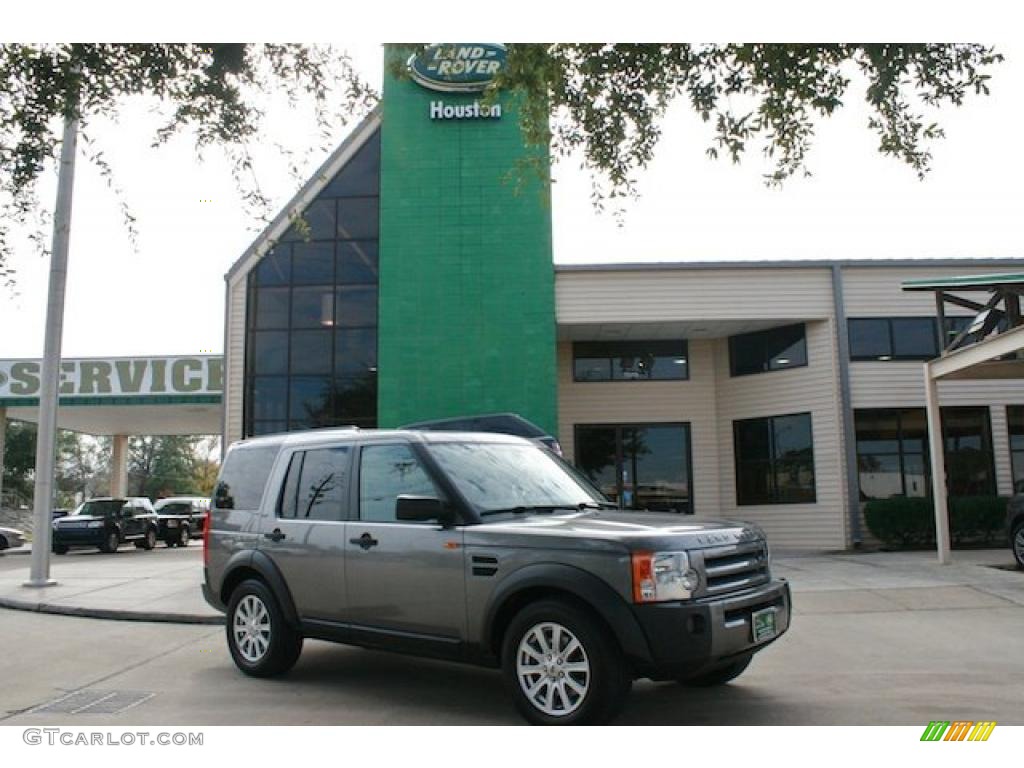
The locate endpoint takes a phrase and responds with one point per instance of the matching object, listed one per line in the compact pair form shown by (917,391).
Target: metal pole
(846,409)
(46,436)
(936,448)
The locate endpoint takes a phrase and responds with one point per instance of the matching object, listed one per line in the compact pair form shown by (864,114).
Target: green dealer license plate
(763,624)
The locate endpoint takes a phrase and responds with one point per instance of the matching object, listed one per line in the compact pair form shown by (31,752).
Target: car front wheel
(1018,543)
(562,667)
(150,541)
(110,542)
(260,640)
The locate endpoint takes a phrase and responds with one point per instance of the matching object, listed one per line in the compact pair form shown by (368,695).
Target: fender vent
(484,565)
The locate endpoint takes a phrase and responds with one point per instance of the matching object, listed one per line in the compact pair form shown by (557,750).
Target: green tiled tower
(467,303)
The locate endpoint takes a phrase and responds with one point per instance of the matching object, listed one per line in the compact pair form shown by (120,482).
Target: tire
(183,536)
(719,676)
(111,542)
(582,681)
(3,543)
(60,549)
(259,639)
(1017,543)
(149,541)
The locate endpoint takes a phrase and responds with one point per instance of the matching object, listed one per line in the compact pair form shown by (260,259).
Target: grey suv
(479,548)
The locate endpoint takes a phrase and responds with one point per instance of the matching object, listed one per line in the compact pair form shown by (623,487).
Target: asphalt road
(840,668)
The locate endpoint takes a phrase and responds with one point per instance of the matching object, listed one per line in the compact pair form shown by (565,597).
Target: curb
(107,613)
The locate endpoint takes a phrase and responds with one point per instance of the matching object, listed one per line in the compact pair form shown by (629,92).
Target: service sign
(457,67)
(117,377)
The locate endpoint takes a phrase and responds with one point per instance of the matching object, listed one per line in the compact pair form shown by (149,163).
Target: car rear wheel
(1018,543)
(3,542)
(562,667)
(110,542)
(260,640)
(183,536)
(60,549)
(719,676)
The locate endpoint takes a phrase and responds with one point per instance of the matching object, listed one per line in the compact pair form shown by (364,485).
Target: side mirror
(423,509)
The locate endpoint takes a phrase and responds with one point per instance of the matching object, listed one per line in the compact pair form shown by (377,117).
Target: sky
(167,296)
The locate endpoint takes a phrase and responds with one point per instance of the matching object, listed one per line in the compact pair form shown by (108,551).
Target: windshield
(175,508)
(100,508)
(504,476)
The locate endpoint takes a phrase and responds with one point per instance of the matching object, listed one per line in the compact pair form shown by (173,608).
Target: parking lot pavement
(159,585)
(892,668)
(882,638)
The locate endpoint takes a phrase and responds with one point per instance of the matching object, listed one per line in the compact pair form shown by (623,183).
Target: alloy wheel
(251,628)
(553,669)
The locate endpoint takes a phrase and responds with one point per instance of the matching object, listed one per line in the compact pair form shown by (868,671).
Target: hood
(634,530)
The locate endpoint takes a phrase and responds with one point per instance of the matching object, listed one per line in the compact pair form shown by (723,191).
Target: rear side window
(243,477)
(316,486)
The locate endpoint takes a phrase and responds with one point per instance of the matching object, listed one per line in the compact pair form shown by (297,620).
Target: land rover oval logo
(457,67)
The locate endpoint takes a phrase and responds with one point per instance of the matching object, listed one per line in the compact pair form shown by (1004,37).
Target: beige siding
(814,389)
(234,360)
(626,402)
(697,294)
(901,385)
(876,291)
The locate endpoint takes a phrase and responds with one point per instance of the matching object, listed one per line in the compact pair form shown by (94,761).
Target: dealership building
(412,277)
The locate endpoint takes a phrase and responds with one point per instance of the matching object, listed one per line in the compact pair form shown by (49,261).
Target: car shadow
(425,690)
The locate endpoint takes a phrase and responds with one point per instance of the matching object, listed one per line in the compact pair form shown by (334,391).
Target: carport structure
(990,346)
(120,397)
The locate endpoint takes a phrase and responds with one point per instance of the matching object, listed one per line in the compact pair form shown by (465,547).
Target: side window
(243,477)
(316,485)
(387,472)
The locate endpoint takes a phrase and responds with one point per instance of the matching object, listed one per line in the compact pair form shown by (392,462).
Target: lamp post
(46,436)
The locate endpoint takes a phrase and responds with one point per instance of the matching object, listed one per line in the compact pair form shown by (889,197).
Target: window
(893,338)
(893,457)
(1015,417)
(311,338)
(774,460)
(970,470)
(773,350)
(316,485)
(387,472)
(892,453)
(638,466)
(630,360)
(243,477)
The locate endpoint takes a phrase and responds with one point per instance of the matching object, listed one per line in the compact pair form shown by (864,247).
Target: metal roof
(972,282)
(966,261)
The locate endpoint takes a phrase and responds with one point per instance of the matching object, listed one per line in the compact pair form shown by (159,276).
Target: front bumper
(689,638)
(79,537)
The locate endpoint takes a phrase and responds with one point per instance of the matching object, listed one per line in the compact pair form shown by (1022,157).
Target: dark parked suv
(1015,525)
(107,523)
(479,548)
(499,423)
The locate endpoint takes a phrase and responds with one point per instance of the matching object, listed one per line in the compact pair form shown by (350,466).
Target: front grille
(735,568)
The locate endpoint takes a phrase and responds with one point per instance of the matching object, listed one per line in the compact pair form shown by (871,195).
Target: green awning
(965,283)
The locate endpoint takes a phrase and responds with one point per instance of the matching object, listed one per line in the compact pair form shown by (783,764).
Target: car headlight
(95,524)
(661,576)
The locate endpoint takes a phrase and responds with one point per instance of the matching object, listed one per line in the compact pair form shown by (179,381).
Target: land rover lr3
(479,548)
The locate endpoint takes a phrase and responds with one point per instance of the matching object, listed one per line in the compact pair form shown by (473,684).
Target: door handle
(276,535)
(365,541)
